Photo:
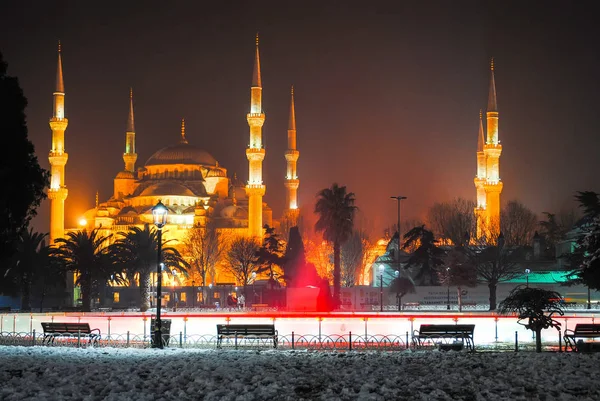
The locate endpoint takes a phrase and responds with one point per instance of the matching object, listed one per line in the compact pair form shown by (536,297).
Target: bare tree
(555,227)
(352,256)
(453,221)
(204,246)
(401,286)
(241,260)
(518,224)
(458,271)
(495,264)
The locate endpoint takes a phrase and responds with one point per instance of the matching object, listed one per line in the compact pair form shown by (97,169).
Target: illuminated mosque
(188,180)
(487,181)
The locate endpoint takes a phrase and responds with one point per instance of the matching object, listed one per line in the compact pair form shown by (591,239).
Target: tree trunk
(26,297)
(145,282)
(492,286)
(86,295)
(204,286)
(336,275)
(459,298)
(538,340)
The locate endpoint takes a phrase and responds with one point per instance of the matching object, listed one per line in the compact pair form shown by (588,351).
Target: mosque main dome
(181,153)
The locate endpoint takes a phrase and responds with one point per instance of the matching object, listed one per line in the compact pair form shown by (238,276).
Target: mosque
(187,179)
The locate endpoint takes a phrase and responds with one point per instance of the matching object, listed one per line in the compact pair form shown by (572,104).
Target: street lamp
(381,269)
(159,213)
(253,287)
(210,296)
(527,271)
(397,275)
(173,290)
(398,199)
(448,279)
(193,294)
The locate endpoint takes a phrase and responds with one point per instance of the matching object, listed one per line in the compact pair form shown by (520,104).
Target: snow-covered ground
(47,373)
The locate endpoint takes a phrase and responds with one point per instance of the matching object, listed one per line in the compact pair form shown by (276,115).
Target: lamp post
(253,287)
(527,271)
(448,279)
(159,213)
(193,294)
(398,199)
(397,276)
(381,269)
(173,290)
(210,295)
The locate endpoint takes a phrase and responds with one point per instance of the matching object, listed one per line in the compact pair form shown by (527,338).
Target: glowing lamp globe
(82,222)
(159,212)
(381,269)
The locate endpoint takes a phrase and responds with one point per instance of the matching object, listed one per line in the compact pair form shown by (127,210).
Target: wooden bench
(53,330)
(248,331)
(575,339)
(446,336)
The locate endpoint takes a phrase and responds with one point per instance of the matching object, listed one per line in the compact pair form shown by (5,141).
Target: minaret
(183,138)
(479,181)
(291,155)
(58,157)
(255,153)
(492,150)
(124,182)
(130,157)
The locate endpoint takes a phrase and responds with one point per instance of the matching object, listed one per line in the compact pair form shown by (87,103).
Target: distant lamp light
(82,222)
(159,212)
(396,274)
(205,205)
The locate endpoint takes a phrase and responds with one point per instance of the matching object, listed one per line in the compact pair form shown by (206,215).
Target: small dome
(128,211)
(125,175)
(234,212)
(167,188)
(181,153)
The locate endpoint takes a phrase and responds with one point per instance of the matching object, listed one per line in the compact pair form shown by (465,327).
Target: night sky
(387,93)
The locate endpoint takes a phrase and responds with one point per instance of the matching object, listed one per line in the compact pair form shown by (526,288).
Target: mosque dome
(234,212)
(181,153)
(167,188)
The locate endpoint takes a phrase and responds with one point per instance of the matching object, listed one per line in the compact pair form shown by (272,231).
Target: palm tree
(27,263)
(336,211)
(136,253)
(85,254)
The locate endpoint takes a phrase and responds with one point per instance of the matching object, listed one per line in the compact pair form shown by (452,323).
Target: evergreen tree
(585,260)
(535,308)
(23,180)
(297,271)
(270,255)
(427,256)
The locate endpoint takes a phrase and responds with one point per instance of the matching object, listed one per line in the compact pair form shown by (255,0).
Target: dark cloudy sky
(387,93)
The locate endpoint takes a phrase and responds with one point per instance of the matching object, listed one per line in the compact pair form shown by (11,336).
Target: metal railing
(293,340)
